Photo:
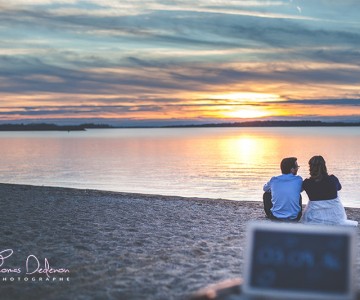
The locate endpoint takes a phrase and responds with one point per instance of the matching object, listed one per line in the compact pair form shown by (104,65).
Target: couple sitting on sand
(283,202)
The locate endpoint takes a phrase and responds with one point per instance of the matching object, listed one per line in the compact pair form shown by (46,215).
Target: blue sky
(142,62)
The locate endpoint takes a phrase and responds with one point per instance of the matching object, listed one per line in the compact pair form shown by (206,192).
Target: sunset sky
(179,62)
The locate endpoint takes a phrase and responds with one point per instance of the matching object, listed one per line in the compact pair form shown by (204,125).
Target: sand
(107,245)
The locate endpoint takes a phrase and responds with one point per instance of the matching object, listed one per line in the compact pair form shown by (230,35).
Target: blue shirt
(285,192)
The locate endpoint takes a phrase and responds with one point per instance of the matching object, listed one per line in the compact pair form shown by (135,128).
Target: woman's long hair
(317,167)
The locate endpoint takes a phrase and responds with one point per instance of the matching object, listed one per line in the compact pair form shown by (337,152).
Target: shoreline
(121,245)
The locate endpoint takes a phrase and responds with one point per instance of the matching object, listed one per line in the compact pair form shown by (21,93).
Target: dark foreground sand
(118,245)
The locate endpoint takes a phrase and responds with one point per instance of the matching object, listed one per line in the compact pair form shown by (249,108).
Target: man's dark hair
(287,164)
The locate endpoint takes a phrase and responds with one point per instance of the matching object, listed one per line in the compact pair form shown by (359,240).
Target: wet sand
(107,245)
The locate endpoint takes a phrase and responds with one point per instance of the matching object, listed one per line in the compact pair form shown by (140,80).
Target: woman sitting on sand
(324,206)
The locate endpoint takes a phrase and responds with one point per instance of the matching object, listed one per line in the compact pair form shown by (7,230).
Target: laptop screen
(296,260)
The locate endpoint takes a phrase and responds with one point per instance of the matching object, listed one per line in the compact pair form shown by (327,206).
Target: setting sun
(245,105)
(247,113)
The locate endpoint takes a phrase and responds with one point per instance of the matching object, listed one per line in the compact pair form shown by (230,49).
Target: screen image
(296,261)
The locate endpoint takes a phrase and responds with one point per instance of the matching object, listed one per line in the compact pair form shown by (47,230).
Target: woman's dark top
(325,189)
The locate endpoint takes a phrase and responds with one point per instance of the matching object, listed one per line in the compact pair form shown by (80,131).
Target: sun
(245,105)
(247,113)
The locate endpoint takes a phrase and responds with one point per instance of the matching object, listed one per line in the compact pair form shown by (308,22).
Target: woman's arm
(337,182)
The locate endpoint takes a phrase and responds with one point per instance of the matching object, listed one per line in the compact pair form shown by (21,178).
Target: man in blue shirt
(282,199)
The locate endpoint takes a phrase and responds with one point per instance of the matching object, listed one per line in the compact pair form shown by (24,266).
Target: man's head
(289,165)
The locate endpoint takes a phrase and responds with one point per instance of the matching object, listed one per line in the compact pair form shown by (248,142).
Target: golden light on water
(246,148)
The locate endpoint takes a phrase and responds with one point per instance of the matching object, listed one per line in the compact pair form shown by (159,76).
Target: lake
(228,163)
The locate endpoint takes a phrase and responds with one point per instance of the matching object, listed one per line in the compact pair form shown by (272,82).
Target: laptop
(296,261)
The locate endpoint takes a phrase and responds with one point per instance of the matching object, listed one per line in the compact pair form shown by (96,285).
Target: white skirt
(329,212)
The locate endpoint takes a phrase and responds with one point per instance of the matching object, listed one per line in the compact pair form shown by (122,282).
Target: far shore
(120,245)
(260,123)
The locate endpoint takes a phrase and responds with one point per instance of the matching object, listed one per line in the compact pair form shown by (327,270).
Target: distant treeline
(273,124)
(49,127)
(54,127)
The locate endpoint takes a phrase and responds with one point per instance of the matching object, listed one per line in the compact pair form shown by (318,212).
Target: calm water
(231,163)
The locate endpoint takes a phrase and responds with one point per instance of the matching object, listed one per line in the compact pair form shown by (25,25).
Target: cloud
(78,110)
(138,76)
(168,53)
(331,102)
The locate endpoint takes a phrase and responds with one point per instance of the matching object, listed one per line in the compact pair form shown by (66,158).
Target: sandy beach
(107,245)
